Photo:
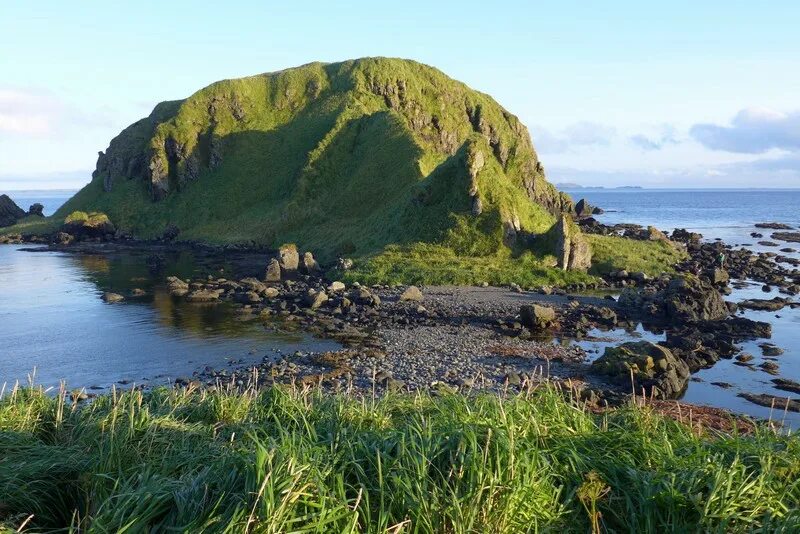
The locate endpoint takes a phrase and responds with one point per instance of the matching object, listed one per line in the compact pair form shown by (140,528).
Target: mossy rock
(651,366)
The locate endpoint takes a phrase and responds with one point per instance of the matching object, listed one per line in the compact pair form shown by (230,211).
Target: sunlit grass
(283,460)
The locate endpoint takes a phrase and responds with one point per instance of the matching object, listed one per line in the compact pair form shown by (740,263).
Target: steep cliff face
(342,157)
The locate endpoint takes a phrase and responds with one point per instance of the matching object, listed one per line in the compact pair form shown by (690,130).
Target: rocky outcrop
(10,213)
(81,224)
(686,298)
(651,366)
(308,265)
(289,258)
(36,209)
(572,250)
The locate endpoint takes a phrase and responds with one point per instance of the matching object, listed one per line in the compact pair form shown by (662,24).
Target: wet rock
(537,317)
(768,349)
(774,226)
(770,367)
(744,357)
(63,238)
(786,385)
(653,367)
(203,295)
(774,304)
(411,293)
(113,297)
(791,237)
(770,401)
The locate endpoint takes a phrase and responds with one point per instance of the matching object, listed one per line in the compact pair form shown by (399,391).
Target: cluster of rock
(10,213)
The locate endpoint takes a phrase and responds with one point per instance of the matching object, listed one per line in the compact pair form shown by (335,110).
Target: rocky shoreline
(489,338)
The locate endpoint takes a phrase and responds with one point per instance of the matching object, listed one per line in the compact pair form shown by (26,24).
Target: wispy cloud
(577,135)
(32,112)
(752,131)
(26,112)
(666,135)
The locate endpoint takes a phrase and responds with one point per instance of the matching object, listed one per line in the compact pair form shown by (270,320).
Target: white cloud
(752,131)
(574,136)
(27,112)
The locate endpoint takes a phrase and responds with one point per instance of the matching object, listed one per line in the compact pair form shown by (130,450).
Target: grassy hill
(341,158)
(344,159)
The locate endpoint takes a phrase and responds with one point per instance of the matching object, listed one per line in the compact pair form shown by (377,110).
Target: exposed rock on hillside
(572,249)
(10,213)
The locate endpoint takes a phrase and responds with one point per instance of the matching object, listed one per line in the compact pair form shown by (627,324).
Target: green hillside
(341,158)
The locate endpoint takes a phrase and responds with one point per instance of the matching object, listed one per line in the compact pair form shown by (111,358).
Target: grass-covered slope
(283,461)
(341,158)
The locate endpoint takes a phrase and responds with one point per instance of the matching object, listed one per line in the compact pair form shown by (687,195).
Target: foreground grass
(281,460)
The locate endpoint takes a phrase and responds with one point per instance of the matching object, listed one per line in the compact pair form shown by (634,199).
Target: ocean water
(729,215)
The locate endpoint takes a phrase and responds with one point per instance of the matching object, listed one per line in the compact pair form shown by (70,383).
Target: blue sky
(660,94)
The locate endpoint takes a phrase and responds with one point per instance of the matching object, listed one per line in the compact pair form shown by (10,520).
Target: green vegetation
(286,461)
(341,158)
(426,264)
(611,253)
(347,159)
(87,219)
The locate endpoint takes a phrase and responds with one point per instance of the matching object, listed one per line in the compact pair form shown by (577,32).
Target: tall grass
(282,460)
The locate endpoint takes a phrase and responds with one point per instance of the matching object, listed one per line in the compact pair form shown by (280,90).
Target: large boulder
(652,366)
(82,224)
(36,209)
(308,265)
(537,317)
(289,258)
(584,209)
(571,247)
(10,213)
(273,273)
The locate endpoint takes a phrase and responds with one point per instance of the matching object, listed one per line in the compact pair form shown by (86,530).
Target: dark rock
(36,209)
(786,385)
(653,367)
(791,237)
(273,273)
(774,304)
(10,213)
(774,226)
(770,401)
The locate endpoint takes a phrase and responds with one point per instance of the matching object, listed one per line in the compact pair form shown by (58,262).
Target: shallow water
(53,320)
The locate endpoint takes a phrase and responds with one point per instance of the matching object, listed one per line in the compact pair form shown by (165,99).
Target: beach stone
(203,295)
(273,273)
(336,287)
(654,367)
(537,317)
(412,293)
(315,299)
